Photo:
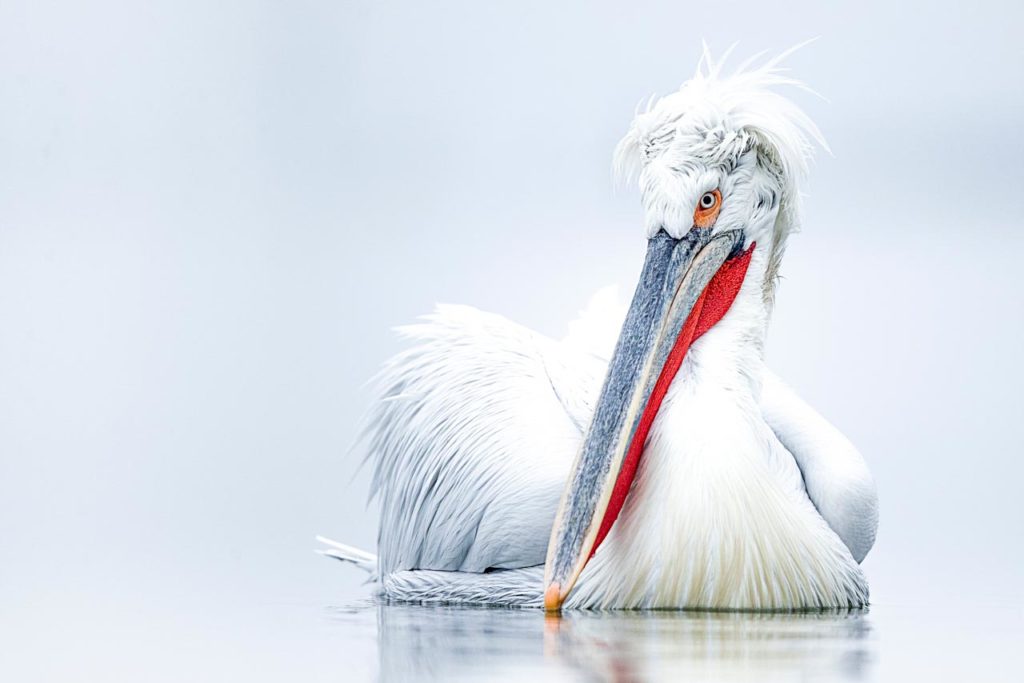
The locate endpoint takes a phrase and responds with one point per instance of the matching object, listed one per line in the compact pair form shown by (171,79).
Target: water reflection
(417,643)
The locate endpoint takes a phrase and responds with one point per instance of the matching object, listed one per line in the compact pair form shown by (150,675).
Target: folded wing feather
(472,439)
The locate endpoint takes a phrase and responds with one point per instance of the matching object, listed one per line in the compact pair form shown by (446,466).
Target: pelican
(666,469)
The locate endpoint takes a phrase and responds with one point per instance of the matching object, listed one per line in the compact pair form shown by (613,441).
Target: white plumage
(745,497)
(472,441)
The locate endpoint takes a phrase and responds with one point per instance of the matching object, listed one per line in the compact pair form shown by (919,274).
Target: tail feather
(346,553)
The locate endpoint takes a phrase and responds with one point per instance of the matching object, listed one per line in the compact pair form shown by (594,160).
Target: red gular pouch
(712,305)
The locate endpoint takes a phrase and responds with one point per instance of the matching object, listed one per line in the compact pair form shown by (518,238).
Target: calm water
(241,632)
(399,642)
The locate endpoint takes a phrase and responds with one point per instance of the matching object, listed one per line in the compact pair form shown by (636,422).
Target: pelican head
(718,164)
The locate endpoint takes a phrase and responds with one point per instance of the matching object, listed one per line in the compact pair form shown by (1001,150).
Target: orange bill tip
(553,598)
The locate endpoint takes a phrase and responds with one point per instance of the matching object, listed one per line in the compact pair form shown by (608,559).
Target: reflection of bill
(445,643)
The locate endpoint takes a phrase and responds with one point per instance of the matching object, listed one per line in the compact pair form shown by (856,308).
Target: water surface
(882,643)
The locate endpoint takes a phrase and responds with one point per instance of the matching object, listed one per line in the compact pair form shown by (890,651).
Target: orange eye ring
(708,207)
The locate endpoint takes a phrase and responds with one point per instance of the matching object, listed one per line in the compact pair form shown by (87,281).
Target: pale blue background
(212,213)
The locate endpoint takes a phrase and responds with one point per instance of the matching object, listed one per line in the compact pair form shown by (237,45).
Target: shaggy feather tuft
(679,142)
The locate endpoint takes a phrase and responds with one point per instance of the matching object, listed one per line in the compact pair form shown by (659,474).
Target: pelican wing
(835,475)
(472,438)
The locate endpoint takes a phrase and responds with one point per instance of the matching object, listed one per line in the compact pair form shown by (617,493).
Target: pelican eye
(708,206)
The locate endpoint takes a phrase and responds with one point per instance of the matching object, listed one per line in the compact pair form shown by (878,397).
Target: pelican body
(667,468)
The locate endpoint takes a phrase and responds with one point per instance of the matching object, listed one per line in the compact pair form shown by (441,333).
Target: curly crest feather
(710,122)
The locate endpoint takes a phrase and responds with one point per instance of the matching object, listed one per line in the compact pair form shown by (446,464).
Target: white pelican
(508,473)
